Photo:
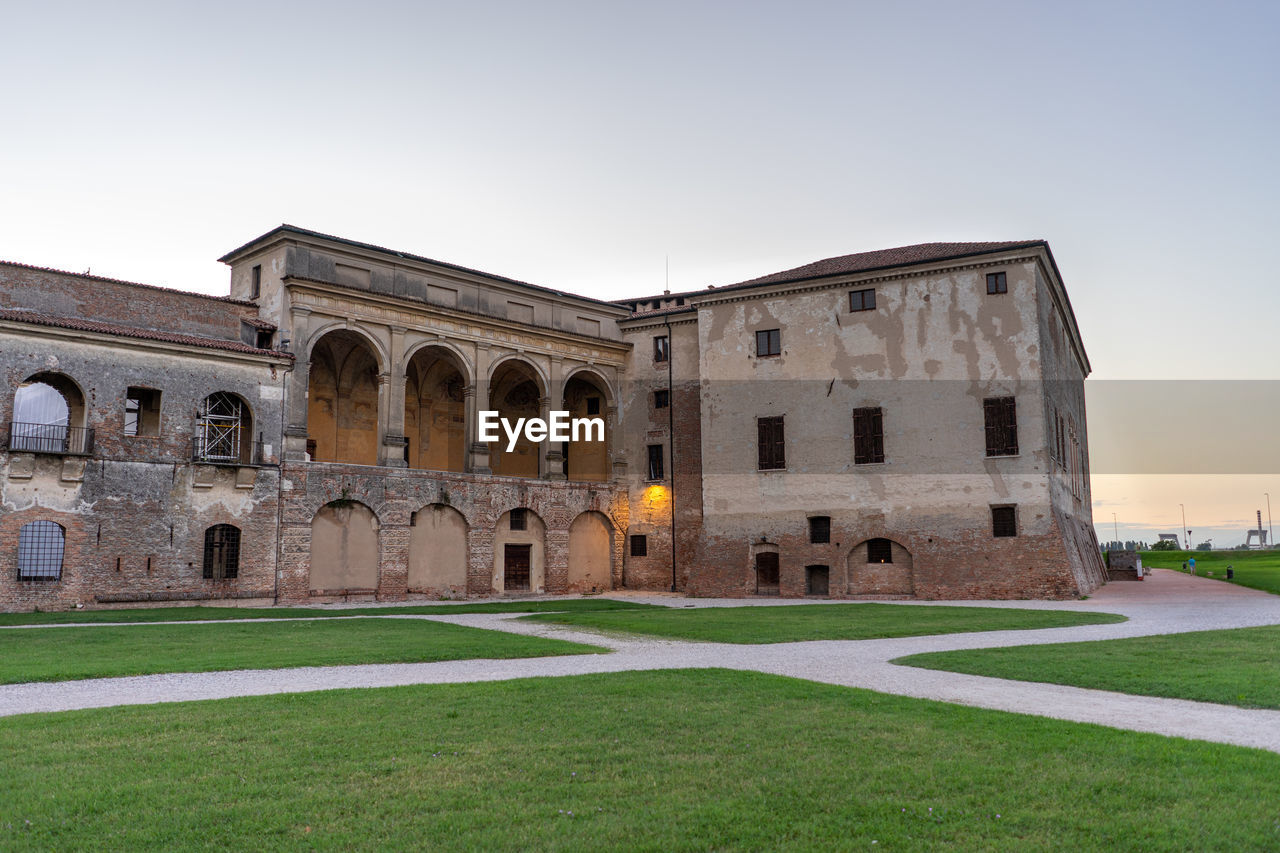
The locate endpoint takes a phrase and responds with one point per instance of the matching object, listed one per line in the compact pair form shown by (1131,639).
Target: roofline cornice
(41,330)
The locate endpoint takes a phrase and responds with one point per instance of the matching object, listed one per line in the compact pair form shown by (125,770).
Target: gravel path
(1168,602)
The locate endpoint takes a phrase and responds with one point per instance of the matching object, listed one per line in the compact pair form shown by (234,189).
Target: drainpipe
(671,433)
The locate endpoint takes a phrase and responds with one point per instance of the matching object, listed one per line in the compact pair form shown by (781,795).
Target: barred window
(1004,521)
(1001,416)
(519,519)
(40,549)
(820,529)
(868,436)
(221,552)
(639,545)
(879,551)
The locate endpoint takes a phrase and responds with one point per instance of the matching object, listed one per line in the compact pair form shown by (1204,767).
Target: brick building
(899,423)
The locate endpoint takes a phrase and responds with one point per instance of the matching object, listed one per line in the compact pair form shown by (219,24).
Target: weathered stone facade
(312,437)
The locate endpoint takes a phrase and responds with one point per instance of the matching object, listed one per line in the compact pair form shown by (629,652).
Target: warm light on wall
(657,494)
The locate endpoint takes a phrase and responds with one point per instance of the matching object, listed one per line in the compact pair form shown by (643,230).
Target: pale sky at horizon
(578,145)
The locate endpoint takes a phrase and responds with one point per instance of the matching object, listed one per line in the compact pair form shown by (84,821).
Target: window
(222,430)
(868,436)
(768,342)
(996,283)
(661,399)
(40,548)
(519,519)
(141,411)
(1004,521)
(221,552)
(1001,416)
(862,300)
(639,545)
(817,580)
(265,338)
(593,405)
(655,462)
(820,529)
(879,551)
(255,282)
(661,348)
(771,443)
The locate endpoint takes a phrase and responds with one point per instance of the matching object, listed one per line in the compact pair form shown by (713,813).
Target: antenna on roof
(667,291)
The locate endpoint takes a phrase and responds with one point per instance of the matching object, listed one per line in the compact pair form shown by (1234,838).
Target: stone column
(477,398)
(552,467)
(391,422)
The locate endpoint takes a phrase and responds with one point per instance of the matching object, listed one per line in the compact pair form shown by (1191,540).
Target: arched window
(40,548)
(223,430)
(48,416)
(221,552)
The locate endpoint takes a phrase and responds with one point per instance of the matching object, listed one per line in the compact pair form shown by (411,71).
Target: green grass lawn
(1234,667)
(56,654)
(669,761)
(187,614)
(1256,569)
(820,621)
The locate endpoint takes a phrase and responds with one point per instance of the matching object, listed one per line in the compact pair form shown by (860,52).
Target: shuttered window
(1001,415)
(772,451)
(868,436)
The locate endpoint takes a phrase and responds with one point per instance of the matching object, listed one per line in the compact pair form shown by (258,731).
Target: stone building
(900,423)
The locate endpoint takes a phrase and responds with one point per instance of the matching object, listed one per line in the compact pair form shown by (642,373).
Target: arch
(539,376)
(598,378)
(590,553)
(435,409)
(344,549)
(224,429)
(519,531)
(41,547)
(880,566)
(586,395)
(369,339)
(465,365)
(516,390)
(438,551)
(342,398)
(222,552)
(49,415)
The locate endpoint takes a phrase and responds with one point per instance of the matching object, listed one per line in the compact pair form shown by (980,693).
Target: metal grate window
(221,552)
(639,545)
(519,519)
(820,529)
(40,548)
(1001,417)
(879,551)
(1004,521)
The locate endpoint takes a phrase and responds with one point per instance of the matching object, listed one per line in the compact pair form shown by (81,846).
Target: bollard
(1231,573)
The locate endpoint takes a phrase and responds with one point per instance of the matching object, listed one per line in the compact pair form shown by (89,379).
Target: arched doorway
(438,551)
(344,548)
(434,411)
(49,416)
(587,459)
(342,400)
(590,553)
(515,392)
(880,567)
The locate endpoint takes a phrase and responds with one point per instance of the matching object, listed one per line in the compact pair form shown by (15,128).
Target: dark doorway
(515,568)
(767,573)
(817,580)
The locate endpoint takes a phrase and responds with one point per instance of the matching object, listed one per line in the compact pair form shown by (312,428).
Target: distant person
(1192,564)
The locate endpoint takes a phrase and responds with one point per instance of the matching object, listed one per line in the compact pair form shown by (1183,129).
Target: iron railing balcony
(50,438)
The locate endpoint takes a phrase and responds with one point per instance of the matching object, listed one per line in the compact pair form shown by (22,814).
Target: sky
(593,146)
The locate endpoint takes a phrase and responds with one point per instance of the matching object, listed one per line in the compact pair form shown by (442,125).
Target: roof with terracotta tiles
(40,319)
(88,277)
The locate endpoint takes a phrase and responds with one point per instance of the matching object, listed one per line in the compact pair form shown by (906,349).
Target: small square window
(655,462)
(768,342)
(820,529)
(997,283)
(661,348)
(862,300)
(661,399)
(639,545)
(1004,521)
(519,519)
(265,338)
(593,405)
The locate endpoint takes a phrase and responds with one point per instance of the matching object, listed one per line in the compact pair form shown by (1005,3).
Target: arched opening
(587,459)
(344,549)
(224,430)
(590,553)
(222,552)
(519,563)
(515,392)
(438,551)
(880,567)
(342,400)
(49,416)
(434,411)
